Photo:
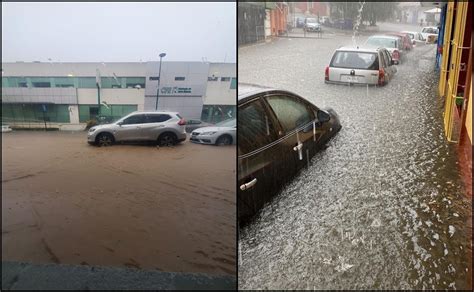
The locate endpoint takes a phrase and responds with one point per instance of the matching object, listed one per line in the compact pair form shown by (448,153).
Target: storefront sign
(175,90)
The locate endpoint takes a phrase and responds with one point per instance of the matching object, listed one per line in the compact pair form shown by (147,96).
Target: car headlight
(92,130)
(208,133)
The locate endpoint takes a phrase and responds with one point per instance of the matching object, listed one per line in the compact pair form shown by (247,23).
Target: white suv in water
(166,128)
(360,65)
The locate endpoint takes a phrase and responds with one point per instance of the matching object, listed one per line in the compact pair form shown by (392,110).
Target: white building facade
(67,95)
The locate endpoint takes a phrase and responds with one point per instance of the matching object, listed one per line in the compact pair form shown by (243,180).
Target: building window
(154,78)
(217,113)
(225,78)
(87,82)
(63,81)
(111,82)
(212,78)
(133,82)
(41,84)
(233,83)
(179,79)
(113,112)
(36,113)
(14,82)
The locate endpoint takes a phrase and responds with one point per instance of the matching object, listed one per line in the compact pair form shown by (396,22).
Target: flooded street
(138,206)
(383,207)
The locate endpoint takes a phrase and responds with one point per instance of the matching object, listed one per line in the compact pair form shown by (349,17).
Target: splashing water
(357,24)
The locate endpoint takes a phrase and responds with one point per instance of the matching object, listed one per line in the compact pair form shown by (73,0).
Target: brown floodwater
(139,206)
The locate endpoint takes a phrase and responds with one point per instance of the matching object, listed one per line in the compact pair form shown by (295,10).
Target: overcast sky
(118,32)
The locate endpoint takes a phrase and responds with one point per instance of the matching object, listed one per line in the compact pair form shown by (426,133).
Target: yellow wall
(469,116)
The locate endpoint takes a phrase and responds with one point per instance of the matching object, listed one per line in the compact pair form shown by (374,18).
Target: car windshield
(383,42)
(356,60)
(227,123)
(311,20)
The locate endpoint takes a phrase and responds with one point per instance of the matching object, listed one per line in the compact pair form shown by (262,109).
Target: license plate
(351,79)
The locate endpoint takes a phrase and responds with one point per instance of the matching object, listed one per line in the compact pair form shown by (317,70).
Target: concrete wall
(186,96)
(113,96)
(219,92)
(195,74)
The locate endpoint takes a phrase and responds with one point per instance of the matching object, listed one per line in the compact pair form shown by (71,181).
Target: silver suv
(166,128)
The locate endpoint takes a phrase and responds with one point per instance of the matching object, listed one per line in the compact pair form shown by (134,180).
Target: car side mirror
(120,123)
(323,116)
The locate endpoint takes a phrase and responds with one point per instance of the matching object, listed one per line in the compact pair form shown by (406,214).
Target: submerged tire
(105,140)
(167,139)
(224,140)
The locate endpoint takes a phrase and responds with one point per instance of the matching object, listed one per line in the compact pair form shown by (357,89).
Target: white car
(392,43)
(416,37)
(360,65)
(311,24)
(430,34)
(223,133)
(6,129)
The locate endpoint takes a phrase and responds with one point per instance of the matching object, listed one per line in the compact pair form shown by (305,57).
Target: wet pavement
(383,207)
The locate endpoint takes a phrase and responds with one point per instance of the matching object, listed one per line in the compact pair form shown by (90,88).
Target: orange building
(277,12)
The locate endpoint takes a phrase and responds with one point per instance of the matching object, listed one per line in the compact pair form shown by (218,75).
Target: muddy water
(383,207)
(171,209)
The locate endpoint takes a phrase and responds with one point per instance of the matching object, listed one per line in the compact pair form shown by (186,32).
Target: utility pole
(159,79)
(98,84)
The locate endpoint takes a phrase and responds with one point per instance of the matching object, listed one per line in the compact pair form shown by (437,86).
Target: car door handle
(248,185)
(299,148)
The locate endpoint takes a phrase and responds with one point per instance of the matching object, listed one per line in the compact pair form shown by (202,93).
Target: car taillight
(396,54)
(381,77)
(326,73)
(182,122)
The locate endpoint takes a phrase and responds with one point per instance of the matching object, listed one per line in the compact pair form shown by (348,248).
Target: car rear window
(355,60)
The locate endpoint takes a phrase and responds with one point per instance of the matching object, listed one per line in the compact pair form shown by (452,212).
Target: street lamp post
(159,79)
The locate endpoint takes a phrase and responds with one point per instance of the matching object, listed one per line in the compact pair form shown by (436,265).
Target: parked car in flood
(430,34)
(360,65)
(6,128)
(192,125)
(416,37)
(278,132)
(222,133)
(164,128)
(391,43)
(300,22)
(312,25)
(407,45)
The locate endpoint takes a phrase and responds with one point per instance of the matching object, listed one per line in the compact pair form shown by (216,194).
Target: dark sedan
(278,132)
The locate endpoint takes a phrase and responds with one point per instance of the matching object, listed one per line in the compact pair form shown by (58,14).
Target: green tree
(371,12)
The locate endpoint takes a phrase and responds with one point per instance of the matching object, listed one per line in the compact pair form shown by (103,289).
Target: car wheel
(167,139)
(105,139)
(224,140)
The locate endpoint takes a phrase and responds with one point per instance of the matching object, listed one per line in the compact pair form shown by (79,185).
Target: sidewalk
(21,276)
